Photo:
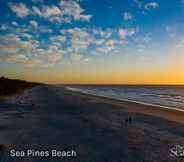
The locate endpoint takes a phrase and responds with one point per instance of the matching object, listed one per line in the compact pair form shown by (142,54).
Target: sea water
(164,96)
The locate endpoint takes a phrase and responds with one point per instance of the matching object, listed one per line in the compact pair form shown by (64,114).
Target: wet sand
(97,128)
(171,114)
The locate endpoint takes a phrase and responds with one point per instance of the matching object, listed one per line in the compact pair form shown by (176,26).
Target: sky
(93,41)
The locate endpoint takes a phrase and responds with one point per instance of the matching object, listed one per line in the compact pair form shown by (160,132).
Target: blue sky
(40,37)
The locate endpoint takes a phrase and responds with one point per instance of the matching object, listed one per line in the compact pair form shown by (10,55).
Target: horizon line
(100,84)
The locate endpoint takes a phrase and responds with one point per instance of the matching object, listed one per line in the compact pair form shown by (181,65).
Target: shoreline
(172,114)
(127,100)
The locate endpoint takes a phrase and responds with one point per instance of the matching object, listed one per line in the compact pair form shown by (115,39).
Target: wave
(135,99)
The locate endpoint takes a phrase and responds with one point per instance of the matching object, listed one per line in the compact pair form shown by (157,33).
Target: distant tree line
(12,86)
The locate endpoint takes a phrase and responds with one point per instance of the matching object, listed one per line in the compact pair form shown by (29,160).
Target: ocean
(163,96)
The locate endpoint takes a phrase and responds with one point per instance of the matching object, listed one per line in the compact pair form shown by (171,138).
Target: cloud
(34,63)
(7,49)
(17,58)
(9,38)
(65,12)
(3,27)
(180,44)
(49,59)
(53,58)
(73,9)
(76,56)
(80,38)
(37,11)
(102,33)
(33,23)
(30,44)
(59,38)
(28,52)
(44,29)
(127,16)
(14,23)
(14,42)
(139,3)
(51,11)
(87,59)
(26,35)
(111,43)
(151,5)
(20,9)
(104,49)
(107,47)
(99,42)
(171,30)
(145,39)
(37,1)
(124,33)
(23,60)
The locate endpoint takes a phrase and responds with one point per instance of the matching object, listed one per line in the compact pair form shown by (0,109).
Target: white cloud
(80,38)
(53,58)
(139,3)
(104,49)
(45,30)
(67,11)
(17,58)
(34,63)
(51,11)
(99,41)
(23,60)
(127,16)
(29,53)
(124,33)
(3,27)
(37,11)
(13,41)
(7,49)
(180,43)
(59,38)
(171,30)
(14,23)
(30,44)
(107,47)
(20,9)
(145,39)
(87,59)
(111,43)
(103,33)
(37,1)
(151,5)
(26,35)
(9,38)
(73,9)
(33,23)
(76,56)
(47,11)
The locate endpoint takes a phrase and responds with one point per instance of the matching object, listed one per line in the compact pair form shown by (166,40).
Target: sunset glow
(92,41)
